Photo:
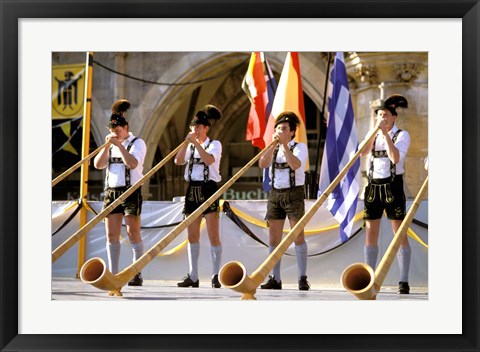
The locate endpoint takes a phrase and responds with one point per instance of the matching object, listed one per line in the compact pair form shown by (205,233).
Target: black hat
(392,103)
(118,113)
(290,117)
(117,120)
(208,112)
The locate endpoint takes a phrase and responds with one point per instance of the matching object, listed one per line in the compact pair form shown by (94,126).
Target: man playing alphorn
(202,156)
(287,160)
(123,158)
(384,191)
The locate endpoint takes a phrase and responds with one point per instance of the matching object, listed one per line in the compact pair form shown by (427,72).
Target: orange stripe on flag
(255,87)
(289,97)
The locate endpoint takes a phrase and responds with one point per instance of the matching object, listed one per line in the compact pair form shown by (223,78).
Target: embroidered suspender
(116,160)
(276,165)
(192,160)
(382,154)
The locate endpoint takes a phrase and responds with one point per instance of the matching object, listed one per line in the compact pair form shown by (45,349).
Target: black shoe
(272,284)
(403,288)
(136,281)
(187,282)
(303,284)
(215,282)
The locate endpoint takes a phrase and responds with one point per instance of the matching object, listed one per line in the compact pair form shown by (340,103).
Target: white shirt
(381,166)
(214,149)
(282,176)
(116,172)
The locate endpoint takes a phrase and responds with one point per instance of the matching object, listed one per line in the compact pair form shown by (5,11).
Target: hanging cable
(420,223)
(145,227)
(237,221)
(172,84)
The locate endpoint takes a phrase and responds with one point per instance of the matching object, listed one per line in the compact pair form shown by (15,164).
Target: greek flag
(340,145)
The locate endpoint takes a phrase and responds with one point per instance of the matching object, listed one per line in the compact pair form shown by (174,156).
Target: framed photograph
(229,26)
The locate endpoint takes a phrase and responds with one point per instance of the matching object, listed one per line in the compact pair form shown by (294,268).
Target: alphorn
(360,279)
(233,275)
(77,165)
(95,272)
(60,250)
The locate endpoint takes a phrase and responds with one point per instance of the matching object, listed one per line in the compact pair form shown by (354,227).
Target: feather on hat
(118,113)
(208,112)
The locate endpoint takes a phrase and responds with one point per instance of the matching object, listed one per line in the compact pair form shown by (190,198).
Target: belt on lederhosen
(118,191)
(195,194)
(201,183)
(287,189)
(382,186)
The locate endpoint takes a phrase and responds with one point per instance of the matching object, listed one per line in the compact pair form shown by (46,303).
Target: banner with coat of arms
(68,91)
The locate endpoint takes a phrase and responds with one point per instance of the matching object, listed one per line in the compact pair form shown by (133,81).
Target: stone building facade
(166,89)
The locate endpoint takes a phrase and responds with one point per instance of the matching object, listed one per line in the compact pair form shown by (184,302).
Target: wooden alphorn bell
(78,164)
(60,250)
(96,273)
(360,279)
(233,274)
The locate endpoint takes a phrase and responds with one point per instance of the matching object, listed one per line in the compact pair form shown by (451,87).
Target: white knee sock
(216,252)
(137,249)
(371,255)
(193,254)
(113,254)
(301,252)
(403,256)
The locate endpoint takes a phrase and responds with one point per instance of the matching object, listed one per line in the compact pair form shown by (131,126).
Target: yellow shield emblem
(68,91)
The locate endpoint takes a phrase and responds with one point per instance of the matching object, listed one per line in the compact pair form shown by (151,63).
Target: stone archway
(168,107)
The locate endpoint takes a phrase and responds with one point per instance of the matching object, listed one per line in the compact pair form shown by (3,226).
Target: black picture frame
(12,11)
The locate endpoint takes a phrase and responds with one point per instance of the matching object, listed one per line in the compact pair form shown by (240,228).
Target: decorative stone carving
(352,83)
(366,73)
(407,72)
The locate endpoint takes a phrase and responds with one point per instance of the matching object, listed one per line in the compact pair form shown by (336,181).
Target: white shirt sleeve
(301,152)
(138,151)
(402,144)
(215,149)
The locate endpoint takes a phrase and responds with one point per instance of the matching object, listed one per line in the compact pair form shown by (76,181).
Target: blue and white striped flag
(340,145)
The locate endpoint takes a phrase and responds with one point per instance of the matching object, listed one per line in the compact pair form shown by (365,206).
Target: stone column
(119,85)
(375,76)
